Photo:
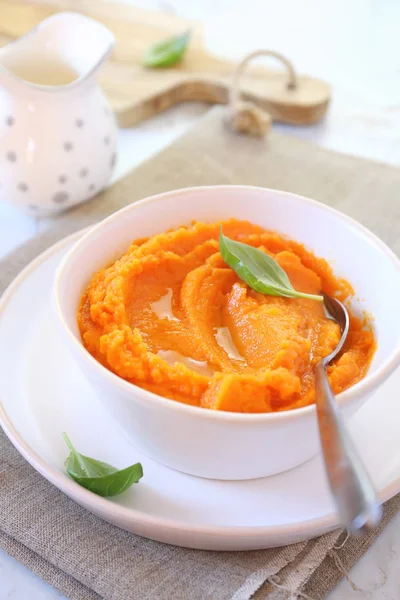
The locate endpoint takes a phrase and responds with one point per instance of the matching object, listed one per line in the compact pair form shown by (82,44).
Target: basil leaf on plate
(99,477)
(261,272)
(167,53)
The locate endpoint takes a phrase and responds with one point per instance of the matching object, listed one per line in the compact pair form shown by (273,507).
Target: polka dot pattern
(76,181)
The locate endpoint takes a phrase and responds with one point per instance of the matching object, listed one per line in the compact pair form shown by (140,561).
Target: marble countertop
(353,45)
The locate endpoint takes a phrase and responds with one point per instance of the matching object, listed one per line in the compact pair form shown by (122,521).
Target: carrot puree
(171,317)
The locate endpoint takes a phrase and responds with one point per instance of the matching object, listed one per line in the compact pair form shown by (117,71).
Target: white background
(353,45)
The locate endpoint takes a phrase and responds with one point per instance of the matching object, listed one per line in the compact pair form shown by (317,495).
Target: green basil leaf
(110,485)
(167,53)
(261,272)
(99,477)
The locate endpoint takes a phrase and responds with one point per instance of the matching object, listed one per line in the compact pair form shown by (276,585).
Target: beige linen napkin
(86,558)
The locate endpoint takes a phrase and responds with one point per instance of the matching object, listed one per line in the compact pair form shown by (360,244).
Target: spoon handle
(352,489)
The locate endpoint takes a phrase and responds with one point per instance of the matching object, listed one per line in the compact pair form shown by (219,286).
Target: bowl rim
(362,388)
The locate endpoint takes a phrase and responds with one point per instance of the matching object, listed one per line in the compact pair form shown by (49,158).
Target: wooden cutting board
(137,93)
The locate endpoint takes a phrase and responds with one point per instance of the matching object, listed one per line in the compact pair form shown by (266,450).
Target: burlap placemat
(86,558)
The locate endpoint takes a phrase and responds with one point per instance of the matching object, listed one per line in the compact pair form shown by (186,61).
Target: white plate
(43,393)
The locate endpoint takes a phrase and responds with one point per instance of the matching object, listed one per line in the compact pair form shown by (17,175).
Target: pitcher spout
(65,49)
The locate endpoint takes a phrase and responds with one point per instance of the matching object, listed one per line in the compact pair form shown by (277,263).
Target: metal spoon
(351,487)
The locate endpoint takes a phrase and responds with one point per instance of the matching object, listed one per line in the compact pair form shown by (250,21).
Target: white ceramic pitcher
(57,130)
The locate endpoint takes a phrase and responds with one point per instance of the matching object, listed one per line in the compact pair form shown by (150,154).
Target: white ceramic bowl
(216,444)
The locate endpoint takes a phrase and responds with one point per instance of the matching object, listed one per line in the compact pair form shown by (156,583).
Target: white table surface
(353,45)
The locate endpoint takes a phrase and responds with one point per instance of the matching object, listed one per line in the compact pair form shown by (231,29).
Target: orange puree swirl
(171,317)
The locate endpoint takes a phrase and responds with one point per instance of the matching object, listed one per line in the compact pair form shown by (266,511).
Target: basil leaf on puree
(261,272)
